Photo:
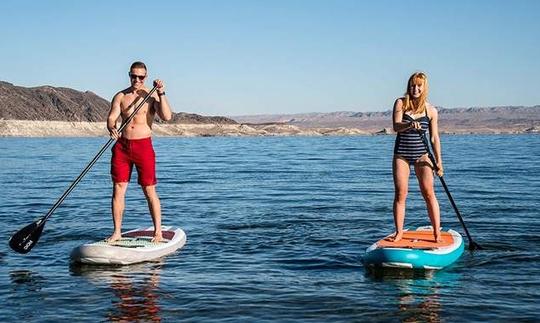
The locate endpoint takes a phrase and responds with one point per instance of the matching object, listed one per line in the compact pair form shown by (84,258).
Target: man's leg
(154,207)
(118,206)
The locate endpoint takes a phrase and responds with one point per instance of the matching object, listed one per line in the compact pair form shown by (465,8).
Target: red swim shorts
(138,152)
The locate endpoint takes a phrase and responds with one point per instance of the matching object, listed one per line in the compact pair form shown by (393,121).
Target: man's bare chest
(130,102)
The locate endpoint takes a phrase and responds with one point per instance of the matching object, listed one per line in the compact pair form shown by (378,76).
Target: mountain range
(508,119)
(47,103)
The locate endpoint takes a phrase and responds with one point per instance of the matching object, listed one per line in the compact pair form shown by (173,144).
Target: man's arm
(161,104)
(114,114)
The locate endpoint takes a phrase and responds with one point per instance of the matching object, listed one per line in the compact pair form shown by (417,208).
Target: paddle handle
(98,155)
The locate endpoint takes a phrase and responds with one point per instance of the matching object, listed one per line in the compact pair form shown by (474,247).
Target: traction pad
(422,239)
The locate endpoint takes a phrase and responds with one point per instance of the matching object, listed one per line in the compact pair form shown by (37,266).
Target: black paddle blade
(474,246)
(26,238)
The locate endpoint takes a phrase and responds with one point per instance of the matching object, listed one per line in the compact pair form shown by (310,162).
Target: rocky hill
(191,118)
(50,103)
(63,104)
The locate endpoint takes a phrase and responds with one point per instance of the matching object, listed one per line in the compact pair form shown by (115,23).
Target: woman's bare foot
(437,236)
(157,237)
(397,236)
(114,237)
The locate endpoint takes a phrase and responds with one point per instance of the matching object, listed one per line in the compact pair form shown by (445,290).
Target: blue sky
(280,56)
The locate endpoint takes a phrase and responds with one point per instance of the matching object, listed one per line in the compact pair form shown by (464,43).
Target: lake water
(276,229)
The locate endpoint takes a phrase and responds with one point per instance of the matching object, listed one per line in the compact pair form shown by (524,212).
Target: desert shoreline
(27,128)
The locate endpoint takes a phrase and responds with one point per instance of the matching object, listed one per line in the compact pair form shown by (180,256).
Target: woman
(413,115)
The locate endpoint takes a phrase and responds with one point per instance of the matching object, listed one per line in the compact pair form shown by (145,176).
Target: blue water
(276,232)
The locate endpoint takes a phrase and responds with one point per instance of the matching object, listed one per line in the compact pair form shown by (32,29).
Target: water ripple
(276,232)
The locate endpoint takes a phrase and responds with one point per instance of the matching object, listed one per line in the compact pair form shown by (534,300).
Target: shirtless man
(134,145)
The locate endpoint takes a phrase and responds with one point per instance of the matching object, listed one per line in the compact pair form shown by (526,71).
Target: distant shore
(25,128)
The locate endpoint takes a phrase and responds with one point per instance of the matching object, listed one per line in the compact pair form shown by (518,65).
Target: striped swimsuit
(409,144)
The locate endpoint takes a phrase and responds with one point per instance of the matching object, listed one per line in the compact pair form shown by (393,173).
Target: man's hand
(113,132)
(160,86)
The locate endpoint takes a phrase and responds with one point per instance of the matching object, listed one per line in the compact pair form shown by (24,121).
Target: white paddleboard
(135,246)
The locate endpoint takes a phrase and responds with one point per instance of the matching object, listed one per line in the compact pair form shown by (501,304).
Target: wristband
(162,93)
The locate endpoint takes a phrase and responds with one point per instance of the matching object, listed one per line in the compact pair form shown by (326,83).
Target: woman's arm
(397,119)
(435,140)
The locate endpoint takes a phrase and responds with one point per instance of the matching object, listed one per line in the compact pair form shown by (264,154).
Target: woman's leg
(401,171)
(424,173)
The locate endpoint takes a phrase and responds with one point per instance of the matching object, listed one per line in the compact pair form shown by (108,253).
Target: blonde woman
(413,115)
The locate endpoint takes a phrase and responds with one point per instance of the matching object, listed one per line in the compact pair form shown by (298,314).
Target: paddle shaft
(432,158)
(98,155)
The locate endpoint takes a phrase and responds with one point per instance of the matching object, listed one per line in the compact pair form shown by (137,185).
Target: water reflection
(419,291)
(135,289)
(26,279)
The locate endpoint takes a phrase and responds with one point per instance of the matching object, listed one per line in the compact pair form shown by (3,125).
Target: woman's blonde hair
(416,106)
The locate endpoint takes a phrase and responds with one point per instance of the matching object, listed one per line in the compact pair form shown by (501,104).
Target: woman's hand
(440,170)
(415,125)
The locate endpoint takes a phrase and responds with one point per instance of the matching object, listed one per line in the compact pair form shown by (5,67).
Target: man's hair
(138,65)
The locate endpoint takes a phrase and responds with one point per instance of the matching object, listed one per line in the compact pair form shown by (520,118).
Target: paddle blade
(474,246)
(26,238)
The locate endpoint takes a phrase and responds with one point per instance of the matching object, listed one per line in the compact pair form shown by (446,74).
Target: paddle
(472,245)
(26,238)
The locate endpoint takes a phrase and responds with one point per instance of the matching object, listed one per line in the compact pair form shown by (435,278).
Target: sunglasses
(138,77)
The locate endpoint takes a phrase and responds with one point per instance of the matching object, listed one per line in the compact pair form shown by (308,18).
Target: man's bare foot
(114,237)
(437,236)
(397,236)
(157,237)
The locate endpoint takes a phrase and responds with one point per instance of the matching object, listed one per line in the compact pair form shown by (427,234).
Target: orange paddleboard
(417,249)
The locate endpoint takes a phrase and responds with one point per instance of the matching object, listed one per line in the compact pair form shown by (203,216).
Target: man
(134,145)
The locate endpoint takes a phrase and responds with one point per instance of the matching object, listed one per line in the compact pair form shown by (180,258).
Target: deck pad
(137,239)
(421,239)
(141,242)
